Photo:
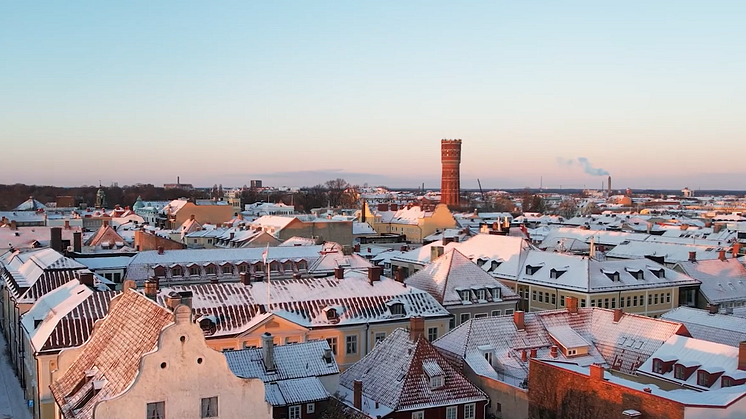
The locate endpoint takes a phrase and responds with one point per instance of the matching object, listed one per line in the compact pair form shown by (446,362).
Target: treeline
(13,195)
(336,193)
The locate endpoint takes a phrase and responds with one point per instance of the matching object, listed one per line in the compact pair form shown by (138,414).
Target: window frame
(470,411)
(332,341)
(496,313)
(432,333)
(294,412)
(159,410)
(351,345)
(451,412)
(205,411)
(461,317)
(310,408)
(420,414)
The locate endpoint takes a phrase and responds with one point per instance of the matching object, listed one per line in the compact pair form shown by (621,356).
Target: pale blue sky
(299,92)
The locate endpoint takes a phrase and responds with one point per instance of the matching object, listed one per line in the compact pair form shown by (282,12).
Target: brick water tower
(450,181)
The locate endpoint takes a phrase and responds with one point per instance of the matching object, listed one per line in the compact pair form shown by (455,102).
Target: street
(12,401)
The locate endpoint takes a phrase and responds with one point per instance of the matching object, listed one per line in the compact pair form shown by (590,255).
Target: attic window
(481,294)
(496,293)
(397,309)
(177,271)
(636,273)
(659,272)
(494,265)
(555,273)
(530,270)
(465,295)
(37,322)
(612,275)
(436,381)
(481,262)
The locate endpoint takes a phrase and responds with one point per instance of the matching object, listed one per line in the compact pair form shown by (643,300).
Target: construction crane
(481,191)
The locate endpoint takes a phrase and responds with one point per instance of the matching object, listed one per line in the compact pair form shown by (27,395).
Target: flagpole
(266,267)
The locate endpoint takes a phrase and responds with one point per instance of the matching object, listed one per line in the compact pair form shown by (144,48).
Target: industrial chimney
(450,182)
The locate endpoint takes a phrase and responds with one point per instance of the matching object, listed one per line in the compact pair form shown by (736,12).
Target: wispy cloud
(583,163)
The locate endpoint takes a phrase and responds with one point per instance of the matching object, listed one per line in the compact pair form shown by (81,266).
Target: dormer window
(555,273)
(612,275)
(679,372)
(727,382)
(494,265)
(636,273)
(397,309)
(194,270)
(703,378)
(496,293)
(481,294)
(436,382)
(658,366)
(481,262)
(530,270)
(465,295)
(177,271)
(436,374)
(659,272)
(331,313)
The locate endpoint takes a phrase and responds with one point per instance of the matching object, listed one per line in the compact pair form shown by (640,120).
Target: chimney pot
(374,274)
(357,394)
(736,249)
(554,351)
(524,356)
(518,319)
(173,300)
(339,272)
(55,241)
(533,353)
(151,289)
(399,274)
(245,278)
(713,308)
(77,242)
(186,298)
(86,278)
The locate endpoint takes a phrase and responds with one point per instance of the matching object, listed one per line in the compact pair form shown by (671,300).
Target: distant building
(178,211)
(256,184)
(688,193)
(414,221)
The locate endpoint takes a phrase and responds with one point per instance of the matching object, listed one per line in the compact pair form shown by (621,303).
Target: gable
(273,324)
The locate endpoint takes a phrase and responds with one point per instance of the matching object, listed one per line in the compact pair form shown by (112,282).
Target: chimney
(56,239)
(518,319)
(553,352)
(328,355)
(77,242)
(357,248)
(106,223)
(717,228)
(713,308)
(721,254)
(618,313)
(214,281)
(692,256)
(160,250)
(13,225)
(524,355)
(742,356)
(383,207)
(268,350)
(191,217)
(572,304)
(186,298)
(245,278)
(596,372)
(374,274)
(736,249)
(357,394)
(86,278)
(436,252)
(447,240)
(67,224)
(173,300)
(533,353)
(416,327)
(151,289)
(394,207)
(399,274)
(339,272)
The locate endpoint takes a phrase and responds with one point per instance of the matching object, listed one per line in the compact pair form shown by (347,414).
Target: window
(509,311)
(310,407)
(541,297)
(451,412)
(294,412)
(351,344)
(436,381)
(495,313)
(554,299)
(465,317)
(156,410)
(668,297)
(470,411)
(656,298)
(379,337)
(593,303)
(583,302)
(629,301)
(481,295)
(210,270)
(727,382)
(301,265)
(432,333)
(418,415)
(287,266)
(621,302)
(572,351)
(228,269)
(397,309)
(332,344)
(496,294)
(480,315)
(679,372)
(634,301)
(210,407)
(703,378)
(465,295)
(650,300)
(533,295)
(242,268)
(562,300)
(546,297)
(194,270)
(613,303)
(658,366)
(606,303)
(176,271)
(451,323)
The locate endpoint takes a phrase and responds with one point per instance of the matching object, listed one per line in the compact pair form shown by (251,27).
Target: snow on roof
(298,241)
(624,344)
(567,337)
(30,205)
(362,228)
(174,206)
(453,270)
(105,262)
(709,356)
(722,280)
(404,215)
(295,391)
(393,376)
(277,222)
(328,262)
(719,328)
(31,274)
(300,360)
(672,253)
(581,273)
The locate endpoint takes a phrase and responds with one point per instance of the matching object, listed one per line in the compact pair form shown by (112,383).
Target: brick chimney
(268,351)
(518,319)
(399,274)
(436,252)
(692,256)
(160,250)
(77,242)
(339,272)
(55,241)
(374,274)
(596,372)
(86,278)
(742,356)
(736,249)
(151,289)
(186,298)
(618,314)
(245,278)
(357,394)
(173,300)
(533,353)
(67,224)
(554,351)
(721,254)
(416,327)
(524,355)
(572,304)
(13,225)
(713,308)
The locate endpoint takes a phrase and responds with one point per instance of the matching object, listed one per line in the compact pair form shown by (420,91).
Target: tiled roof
(105,235)
(622,345)
(295,391)
(393,375)
(76,327)
(234,305)
(299,360)
(719,328)
(327,262)
(131,329)
(452,272)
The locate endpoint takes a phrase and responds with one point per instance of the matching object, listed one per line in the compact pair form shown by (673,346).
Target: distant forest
(13,195)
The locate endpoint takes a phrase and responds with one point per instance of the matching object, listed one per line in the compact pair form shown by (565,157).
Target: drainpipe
(367,337)
(646,302)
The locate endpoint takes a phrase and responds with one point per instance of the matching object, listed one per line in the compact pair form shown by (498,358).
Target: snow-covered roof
(392,376)
(31,274)
(300,360)
(719,328)
(722,280)
(295,391)
(454,272)
(329,261)
(362,229)
(30,204)
(671,253)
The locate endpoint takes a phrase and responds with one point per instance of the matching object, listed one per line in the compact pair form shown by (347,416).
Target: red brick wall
(439,413)
(146,241)
(556,393)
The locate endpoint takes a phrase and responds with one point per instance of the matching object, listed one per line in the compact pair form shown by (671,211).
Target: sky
(296,93)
